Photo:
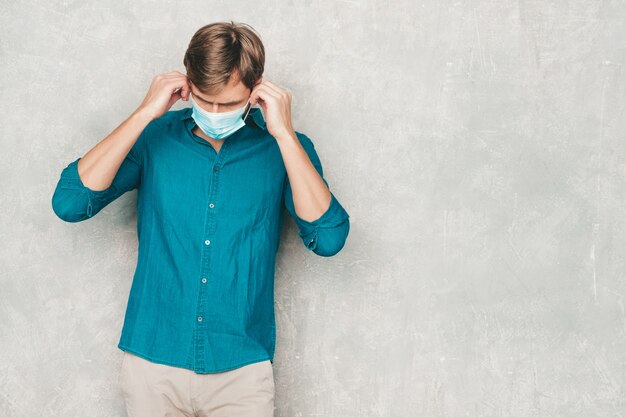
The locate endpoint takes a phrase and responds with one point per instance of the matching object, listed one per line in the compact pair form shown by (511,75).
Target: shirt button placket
(203,298)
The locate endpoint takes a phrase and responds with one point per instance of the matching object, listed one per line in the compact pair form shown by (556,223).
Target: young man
(199,331)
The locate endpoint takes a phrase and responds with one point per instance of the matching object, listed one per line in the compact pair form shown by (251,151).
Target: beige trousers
(156,390)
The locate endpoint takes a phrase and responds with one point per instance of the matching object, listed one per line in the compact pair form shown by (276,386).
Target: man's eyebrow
(221,104)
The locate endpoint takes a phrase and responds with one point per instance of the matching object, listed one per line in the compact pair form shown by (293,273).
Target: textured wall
(478,147)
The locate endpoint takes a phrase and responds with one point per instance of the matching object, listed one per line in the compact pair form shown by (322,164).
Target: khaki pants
(156,390)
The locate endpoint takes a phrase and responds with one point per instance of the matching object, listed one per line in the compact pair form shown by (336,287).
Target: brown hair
(220,50)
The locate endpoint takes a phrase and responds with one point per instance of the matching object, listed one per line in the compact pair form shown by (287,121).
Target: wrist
(286,136)
(143,115)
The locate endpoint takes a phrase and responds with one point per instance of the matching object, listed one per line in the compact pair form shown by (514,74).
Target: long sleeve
(326,235)
(72,201)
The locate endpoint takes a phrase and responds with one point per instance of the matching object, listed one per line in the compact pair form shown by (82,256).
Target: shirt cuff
(334,216)
(71,179)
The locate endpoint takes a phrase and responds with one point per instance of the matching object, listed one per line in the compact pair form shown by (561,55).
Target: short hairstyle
(220,50)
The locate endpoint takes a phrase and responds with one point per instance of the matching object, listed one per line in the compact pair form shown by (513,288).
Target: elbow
(70,208)
(329,242)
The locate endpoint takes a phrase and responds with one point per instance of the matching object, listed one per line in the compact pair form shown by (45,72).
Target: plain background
(478,147)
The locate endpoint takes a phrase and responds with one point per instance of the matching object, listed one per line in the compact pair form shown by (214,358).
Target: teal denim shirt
(208,227)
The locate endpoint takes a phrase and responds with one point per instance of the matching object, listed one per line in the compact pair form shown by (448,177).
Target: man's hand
(276,104)
(165,90)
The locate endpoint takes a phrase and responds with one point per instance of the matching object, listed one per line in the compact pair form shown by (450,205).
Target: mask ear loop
(245,113)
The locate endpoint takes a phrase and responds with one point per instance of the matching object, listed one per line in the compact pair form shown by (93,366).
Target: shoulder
(158,128)
(173,117)
(167,124)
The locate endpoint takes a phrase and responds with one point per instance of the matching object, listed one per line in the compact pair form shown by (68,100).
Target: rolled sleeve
(73,201)
(326,235)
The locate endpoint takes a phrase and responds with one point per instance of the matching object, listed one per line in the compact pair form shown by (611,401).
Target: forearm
(98,167)
(311,196)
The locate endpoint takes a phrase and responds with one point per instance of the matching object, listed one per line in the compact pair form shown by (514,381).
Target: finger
(186,89)
(273,87)
(172,75)
(254,89)
(261,97)
(173,99)
(168,75)
(265,93)
(278,88)
(174,72)
(283,92)
(179,84)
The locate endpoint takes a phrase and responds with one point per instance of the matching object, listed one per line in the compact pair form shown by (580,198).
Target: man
(212,179)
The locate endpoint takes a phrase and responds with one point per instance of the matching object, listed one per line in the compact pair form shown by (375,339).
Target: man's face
(234,96)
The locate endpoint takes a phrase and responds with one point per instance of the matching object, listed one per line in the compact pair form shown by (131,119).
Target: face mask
(217,125)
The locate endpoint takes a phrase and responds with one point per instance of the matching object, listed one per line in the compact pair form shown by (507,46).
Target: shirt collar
(255,114)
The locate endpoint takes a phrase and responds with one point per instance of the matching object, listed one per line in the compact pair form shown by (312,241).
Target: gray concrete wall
(478,147)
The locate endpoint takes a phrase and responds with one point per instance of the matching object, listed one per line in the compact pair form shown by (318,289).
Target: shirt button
(207,242)
(199,318)
(216,168)
(204,280)
(211,205)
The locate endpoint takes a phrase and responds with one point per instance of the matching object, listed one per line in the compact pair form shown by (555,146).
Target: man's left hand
(276,104)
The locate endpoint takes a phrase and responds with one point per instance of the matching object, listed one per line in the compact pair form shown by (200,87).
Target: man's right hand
(165,90)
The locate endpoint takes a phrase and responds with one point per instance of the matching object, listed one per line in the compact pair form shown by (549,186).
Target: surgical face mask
(217,125)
